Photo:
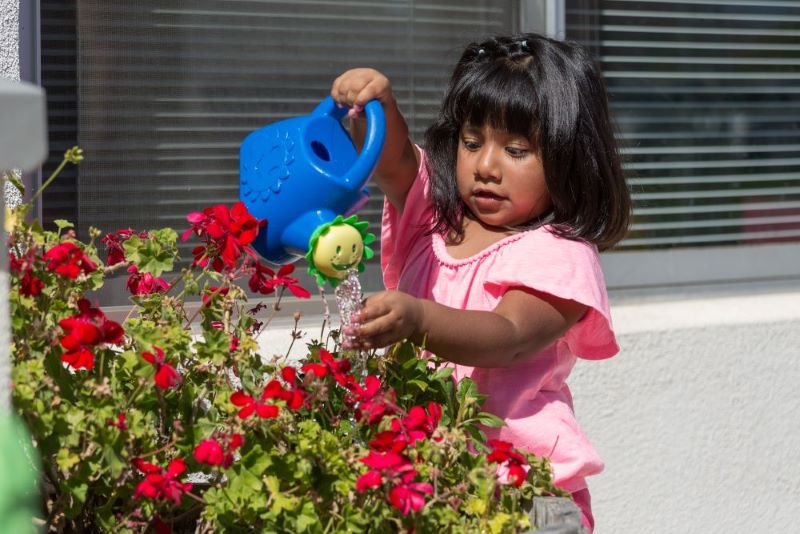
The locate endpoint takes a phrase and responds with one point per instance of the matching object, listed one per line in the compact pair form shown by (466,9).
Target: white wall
(698,417)
(9,39)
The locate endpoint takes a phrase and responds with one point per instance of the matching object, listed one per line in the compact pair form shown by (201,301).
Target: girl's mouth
(487,201)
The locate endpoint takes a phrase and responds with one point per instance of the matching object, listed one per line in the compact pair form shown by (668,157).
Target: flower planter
(556,515)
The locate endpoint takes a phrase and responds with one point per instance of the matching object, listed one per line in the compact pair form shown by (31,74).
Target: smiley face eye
(338,249)
(354,248)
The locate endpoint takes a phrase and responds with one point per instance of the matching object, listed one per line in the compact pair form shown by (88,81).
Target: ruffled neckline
(444,257)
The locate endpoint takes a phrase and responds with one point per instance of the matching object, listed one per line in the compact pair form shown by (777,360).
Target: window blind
(705,96)
(164,91)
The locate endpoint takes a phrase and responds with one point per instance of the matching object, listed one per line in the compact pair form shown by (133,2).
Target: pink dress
(532,398)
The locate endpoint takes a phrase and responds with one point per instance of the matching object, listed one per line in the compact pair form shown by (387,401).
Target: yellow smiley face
(338,250)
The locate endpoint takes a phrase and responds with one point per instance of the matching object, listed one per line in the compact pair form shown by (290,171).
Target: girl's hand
(384,319)
(356,87)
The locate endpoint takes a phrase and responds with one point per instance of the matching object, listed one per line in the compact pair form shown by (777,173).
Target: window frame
(681,269)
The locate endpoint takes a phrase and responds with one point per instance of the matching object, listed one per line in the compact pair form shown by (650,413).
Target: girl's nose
(487,164)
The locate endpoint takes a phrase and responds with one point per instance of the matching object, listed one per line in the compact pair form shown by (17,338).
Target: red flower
(218,325)
(418,424)
(503,453)
(250,405)
(226,233)
(409,496)
(212,452)
(213,293)
(264,280)
(295,395)
(370,479)
(144,283)
(116,254)
(30,286)
(166,376)
(119,423)
(386,460)
(389,440)
(68,260)
(158,484)
(85,330)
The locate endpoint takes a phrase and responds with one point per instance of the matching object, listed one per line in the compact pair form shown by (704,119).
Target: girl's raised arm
(399,160)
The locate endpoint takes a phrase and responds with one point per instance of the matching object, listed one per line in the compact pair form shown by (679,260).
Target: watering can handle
(367,160)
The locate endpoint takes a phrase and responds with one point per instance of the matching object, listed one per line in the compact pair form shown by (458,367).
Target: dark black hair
(551,92)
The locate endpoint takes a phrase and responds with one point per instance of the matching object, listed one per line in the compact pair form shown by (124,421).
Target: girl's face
(500,176)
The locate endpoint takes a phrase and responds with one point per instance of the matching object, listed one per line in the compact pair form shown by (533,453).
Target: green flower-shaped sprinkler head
(337,247)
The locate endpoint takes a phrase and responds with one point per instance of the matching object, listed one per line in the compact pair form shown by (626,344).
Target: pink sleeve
(566,269)
(400,230)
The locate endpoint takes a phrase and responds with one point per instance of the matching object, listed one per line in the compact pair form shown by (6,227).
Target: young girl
(490,236)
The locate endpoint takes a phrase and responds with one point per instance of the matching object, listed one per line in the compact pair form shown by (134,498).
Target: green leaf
(490,420)
(419,384)
(61,224)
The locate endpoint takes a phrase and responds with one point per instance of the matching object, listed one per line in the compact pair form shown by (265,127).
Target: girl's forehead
(488,129)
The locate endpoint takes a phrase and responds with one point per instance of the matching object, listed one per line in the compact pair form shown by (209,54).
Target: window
(160,94)
(704,94)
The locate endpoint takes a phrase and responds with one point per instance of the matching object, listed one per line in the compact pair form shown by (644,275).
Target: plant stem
(49,181)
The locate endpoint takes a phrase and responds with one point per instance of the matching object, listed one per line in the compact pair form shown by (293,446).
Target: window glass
(705,96)
(160,93)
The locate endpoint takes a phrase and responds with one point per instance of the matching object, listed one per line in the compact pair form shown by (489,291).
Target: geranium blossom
(225,232)
(68,260)
(295,394)
(218,450)
(119,422)
(166,375)
(159,484)
(30,286)
(264,280)
(250,405)
(409,496)
(113,243)
(144,283)
(418,424)
(88,329)
(510,460)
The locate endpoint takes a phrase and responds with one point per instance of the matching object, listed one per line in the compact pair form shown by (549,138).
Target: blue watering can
(302,175)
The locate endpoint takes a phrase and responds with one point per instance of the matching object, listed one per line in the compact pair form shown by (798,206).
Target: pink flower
(159,484)
(166,376)
(68,260)
(87,329)
(144,283)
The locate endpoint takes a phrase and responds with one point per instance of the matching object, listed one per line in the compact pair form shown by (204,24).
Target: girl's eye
(515,152)
(469,144)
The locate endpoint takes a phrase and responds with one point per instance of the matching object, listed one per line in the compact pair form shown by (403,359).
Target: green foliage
(296,472)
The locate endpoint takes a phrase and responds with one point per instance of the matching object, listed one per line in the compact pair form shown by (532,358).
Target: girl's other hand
(384,319)
(356,87)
